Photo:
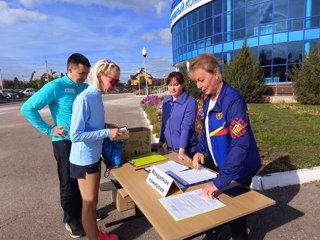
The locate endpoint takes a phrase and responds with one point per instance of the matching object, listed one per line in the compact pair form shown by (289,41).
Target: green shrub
(243,73)
(306,79)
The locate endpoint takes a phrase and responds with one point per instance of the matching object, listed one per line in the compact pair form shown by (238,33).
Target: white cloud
(165,36)
(136,5)
(162,35)
(11,16)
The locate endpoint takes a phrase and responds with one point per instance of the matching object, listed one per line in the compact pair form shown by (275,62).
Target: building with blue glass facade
(278,32)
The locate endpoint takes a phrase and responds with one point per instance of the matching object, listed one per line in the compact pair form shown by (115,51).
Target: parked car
(2,97)
(29,92)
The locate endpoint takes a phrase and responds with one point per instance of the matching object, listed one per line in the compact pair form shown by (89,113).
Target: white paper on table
(189,204)
(193,176)
(169,166)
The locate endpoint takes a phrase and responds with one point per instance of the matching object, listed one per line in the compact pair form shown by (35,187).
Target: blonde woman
(87,133)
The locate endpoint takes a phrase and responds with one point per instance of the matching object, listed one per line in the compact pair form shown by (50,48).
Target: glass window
(295,52)
(252,16)
(190,36)
(209,27)
(238,3)
(184,37)
(239,34)
(194,17)
(195,32)
(217,7)
(252,31)
(296,24)
(280,26)
(279,73)
(266,12)
(295,36)
(201,30)
(267,73)
(296,8)
(239,18)
(264,40)
(280,10)
(209,41)
(265,55)
(315,7)
(217,24)
(201,43)
(208,10)
(280,53)
(218,38)
(252,2)
(280,37)
(201,13)
(254,52)
(315,21)
(227,57)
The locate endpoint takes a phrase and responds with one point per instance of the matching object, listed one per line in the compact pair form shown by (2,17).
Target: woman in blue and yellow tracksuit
(226,136)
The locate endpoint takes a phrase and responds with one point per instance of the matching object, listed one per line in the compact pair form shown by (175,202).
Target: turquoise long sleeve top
(87,130)
(59,95)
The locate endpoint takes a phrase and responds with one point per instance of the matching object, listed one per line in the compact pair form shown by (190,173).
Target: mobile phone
(124,130)
(236,190)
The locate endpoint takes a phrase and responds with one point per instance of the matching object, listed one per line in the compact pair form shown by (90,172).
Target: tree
(190,85)
(306,78)
(243,73)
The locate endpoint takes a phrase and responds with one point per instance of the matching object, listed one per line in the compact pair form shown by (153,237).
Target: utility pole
(46,62)
(1,79)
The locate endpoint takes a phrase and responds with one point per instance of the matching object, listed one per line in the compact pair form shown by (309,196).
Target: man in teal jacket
(59,95)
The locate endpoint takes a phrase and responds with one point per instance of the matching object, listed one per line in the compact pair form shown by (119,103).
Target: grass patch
(287,135)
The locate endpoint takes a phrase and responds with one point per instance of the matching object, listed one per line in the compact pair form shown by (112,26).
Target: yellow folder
(147,158)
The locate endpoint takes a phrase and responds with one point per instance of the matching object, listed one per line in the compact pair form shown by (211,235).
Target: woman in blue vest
(179,111)
(87,132)
(227,137)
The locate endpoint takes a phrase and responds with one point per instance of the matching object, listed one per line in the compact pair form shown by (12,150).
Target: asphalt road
(29,192)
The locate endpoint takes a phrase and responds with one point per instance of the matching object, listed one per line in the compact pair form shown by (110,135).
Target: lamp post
(138,80)
(144,54)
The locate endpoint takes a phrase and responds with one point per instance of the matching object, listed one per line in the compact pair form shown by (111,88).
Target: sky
(33,32)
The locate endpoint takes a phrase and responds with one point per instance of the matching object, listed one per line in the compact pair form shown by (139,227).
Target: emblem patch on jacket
(237,128)
(219,115)
(69,90)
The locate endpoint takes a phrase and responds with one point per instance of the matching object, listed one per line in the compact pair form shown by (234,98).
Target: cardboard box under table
(120,197)
(138,143)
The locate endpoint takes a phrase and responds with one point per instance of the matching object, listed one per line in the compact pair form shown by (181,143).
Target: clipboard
(181,181)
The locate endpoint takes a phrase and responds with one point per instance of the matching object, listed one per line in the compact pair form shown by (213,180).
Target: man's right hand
(58,131)
(197,159)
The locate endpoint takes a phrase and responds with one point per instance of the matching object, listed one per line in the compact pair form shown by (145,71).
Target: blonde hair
(207,62)
(103,65)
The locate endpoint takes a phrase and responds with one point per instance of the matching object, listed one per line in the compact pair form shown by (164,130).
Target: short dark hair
(176,75)
(78,58)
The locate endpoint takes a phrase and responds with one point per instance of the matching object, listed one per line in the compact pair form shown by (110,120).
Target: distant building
(278,32)
(43,75)
(140,75)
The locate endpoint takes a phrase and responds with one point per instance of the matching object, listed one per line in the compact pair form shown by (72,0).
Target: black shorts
(77,171)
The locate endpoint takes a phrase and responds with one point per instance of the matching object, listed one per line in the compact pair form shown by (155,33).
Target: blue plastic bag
(112,153)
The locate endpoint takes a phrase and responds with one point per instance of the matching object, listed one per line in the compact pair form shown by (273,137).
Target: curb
(273,180)
(282,179)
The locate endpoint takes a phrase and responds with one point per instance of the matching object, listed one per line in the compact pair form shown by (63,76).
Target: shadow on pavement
(266,220)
